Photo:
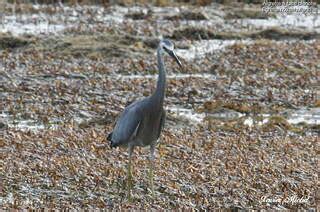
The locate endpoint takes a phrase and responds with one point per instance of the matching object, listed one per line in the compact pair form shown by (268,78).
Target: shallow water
(306,116)
(309,22)
(64,17)
(16,28)
(186,113)
(199,49)
(31,24)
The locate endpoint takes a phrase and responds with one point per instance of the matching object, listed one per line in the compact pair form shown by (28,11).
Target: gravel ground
(61,92)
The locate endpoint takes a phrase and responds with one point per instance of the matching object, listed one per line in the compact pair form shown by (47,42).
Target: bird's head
(168,47)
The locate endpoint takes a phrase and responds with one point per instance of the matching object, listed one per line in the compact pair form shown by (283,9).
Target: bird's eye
(167,49)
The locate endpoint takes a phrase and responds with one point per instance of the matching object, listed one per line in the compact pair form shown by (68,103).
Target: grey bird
(141,123)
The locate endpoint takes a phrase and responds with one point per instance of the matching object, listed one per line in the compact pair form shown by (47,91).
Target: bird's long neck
(159,94)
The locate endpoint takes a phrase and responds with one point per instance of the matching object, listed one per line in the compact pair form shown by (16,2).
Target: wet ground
(244,112)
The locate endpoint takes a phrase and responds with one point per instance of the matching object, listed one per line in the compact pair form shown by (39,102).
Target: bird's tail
(109,138)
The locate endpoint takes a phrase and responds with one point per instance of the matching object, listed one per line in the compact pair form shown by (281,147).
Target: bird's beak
(173,54)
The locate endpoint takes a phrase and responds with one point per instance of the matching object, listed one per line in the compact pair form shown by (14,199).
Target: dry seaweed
(60,96)
(8,41)
(187,15)
(274,33)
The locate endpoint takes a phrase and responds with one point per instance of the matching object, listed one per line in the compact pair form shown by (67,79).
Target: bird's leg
(129,170)
(151,160)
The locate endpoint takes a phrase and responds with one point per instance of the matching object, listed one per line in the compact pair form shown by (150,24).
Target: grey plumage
(141,123)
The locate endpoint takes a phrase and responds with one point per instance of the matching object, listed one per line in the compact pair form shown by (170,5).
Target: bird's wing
(128,124)
(162,121)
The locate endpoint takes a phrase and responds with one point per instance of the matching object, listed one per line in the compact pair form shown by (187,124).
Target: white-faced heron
(141,123)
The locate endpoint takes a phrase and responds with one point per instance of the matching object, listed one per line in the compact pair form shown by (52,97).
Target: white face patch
(171,47)
(167,44)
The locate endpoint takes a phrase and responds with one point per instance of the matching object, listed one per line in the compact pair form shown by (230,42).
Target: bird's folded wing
(127,125)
